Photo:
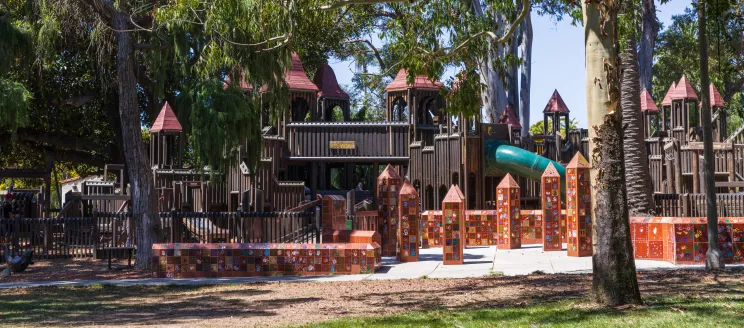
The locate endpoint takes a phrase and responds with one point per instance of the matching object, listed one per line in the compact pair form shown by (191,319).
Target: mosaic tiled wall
(453,214)
(685,240)
(578,207)
(408,230)
(388,184)
(431,229)
(507,208)
(550,195)
(333,215)
(246,260)
(480,228)
(351,236)
(532,230)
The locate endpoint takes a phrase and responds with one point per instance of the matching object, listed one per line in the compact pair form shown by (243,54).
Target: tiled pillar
(431,229)
(578,207)
(453,214)
(551,208)
(408,229)
(388,186)
(333,216)
(507,209)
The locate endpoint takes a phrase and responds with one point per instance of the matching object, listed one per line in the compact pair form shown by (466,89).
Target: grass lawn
(680,298)
(723,311)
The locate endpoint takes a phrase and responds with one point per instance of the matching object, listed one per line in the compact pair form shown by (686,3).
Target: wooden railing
(365,220)
(82,237)
(693,205)
(374,141)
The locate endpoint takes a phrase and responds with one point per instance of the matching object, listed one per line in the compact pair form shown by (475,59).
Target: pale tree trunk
(614,275)
(649,30)
(512,73)
(144,202)
(526,74)
(494,95)
(713,258)
(637,176)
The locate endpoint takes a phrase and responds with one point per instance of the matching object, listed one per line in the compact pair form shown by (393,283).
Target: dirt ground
(282,304)
(75,269)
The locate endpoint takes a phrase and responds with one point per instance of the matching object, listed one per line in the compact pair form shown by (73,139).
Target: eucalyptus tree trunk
(494,95)
(144,202)
(614,275)
(526,74)
(649,29)
(713,258)
(637,176)
(512,73)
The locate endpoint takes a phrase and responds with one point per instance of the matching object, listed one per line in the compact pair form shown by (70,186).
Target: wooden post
(551,208)
(695,172)
(408,228)
(677,167)
(388,184)
(578,199)
(453,217)
(671,183)
(507,210)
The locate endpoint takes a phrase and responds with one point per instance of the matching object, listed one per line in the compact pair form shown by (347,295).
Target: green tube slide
(521,162)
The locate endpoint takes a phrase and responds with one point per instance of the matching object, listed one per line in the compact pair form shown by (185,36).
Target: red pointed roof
(296,77)
(578,162)
(668,97)
(647,103)
(556,104)
(408,189)
(550,171)
(454,195)
(166,121)
(326,81)
(508,182)
(715,97)
(243,84)
(420,82)
(509,117)
(684,90)
(389,173)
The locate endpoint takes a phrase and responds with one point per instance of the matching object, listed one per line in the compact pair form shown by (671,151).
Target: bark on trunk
(144,207)
(512,74)
(648,40)
(713,258)
(526,75)
(637,176)
(614,276)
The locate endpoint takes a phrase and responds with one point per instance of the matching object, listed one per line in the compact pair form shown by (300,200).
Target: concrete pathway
(479,262)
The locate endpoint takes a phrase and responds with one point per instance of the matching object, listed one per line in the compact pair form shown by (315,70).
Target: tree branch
(374,49)
(526,7)
(78,101)
(58,140)
(104,8)
(344,3)
(149,46)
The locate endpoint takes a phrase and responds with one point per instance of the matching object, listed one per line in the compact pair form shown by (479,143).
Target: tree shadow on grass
(135,305)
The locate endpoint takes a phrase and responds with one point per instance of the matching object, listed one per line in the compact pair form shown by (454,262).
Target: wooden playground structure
(485,174)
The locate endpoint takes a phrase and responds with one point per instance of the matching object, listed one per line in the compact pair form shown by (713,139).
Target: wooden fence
(82,237)
(693,205)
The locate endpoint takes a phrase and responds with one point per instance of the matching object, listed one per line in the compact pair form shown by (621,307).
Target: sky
(557,62)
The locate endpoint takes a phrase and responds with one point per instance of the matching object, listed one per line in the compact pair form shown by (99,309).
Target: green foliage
(539,129)
(15,46)
(220,120)
(14,100)
(677,54)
